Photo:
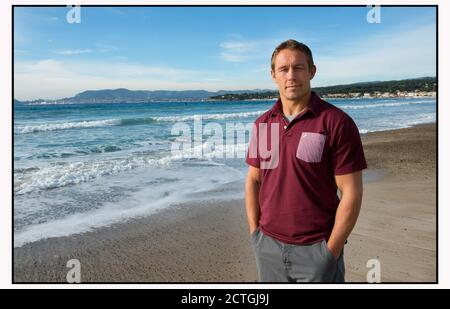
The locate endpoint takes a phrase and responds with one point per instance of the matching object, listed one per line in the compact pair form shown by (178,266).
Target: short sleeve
(347,150)
(252,153)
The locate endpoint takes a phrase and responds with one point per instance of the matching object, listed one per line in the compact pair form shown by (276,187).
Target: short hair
(294,45)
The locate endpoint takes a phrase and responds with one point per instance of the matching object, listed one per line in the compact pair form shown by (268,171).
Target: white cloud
(68,52)
(404,52)
(238,47)
(240,50)
(401,53)
(230,57)
(397,55)
(236,51)
(51,78)
(102,48)
(105,48)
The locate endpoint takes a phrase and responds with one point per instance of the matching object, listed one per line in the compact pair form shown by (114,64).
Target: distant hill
(421,84)
(123,95)
(405,85)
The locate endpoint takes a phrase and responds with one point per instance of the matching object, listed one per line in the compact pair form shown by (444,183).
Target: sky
(212,48)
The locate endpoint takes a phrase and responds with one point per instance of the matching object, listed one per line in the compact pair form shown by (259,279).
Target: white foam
(63,174)
(64,126)
(209,116)
(147,200)
(393,123)
(383,104)
(55,176)
(113,122)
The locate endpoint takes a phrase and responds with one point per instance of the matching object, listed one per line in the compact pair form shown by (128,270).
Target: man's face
(292,74)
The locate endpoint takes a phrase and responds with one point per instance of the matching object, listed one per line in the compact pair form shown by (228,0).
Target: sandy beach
(209,242)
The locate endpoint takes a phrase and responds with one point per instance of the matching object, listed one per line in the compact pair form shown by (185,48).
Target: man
(297,221)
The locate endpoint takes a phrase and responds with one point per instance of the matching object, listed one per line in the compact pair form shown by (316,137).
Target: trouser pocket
(254,236)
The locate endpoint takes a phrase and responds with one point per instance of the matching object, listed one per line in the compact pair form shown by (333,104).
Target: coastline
(336,98)
(209,242)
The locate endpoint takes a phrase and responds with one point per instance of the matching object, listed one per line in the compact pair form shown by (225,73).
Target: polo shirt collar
(313,105)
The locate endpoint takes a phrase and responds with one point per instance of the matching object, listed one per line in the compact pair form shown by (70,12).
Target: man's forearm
(346,216)
(252,203)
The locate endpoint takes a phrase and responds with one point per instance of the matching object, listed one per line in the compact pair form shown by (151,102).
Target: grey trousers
(280,262)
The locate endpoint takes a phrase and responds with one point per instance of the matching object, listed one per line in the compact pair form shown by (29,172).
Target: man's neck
(294,107)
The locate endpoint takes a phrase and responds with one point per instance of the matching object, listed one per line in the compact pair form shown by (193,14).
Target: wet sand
(209,242)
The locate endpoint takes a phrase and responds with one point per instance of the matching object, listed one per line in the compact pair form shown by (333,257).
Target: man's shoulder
(332,113)
(336,120)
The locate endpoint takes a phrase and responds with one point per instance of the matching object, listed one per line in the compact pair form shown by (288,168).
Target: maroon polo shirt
(298,193)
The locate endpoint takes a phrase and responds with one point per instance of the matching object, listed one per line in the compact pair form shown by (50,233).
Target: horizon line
(333,85)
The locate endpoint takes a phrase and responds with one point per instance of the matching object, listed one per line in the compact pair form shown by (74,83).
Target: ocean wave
(65,126)
(88,208)
(209,116)
(72,153)
(397,123)
(26,129)
(383,104)
(63,174)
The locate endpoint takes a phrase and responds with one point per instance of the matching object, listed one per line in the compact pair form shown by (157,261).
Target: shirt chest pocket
(310,147)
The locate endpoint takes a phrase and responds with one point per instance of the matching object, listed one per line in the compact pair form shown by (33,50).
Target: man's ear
(312,72)
(272,73)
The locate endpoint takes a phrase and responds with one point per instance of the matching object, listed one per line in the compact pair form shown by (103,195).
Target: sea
(79,167)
